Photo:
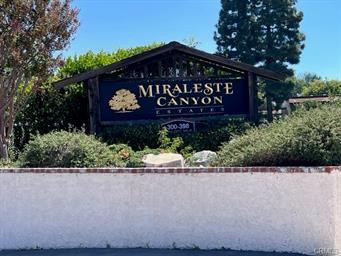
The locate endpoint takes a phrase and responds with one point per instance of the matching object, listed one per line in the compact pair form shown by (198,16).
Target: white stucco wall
(250,211)
(337,245)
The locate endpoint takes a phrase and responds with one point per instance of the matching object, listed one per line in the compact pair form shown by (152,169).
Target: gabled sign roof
(223,61)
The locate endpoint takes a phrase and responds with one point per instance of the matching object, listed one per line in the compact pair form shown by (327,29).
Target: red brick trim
(172,170)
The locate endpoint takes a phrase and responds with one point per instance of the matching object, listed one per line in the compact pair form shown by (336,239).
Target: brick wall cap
(175,170)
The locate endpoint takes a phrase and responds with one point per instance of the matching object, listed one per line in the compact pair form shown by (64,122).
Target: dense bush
(66,149)
(132,158)
(136,135)
(5,163)
(307,137)
(49,109)
(129,143)
(210,134)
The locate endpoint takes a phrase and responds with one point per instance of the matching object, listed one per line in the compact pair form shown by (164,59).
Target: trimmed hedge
(213,132)
(136,135)
(210,134)
(307,137)
(66,149)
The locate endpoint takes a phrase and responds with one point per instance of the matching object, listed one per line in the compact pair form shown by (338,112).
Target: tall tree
(31,31)
(264,33)
(281,42)
(237,34)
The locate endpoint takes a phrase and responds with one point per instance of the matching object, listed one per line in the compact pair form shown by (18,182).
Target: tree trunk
(269,108)
(3,151)
(3,139)
(6,126)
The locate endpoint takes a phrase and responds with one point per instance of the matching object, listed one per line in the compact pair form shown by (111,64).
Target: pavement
(139,252)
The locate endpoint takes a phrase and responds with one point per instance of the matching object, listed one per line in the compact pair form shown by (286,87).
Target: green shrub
(209,135)
(129,157)
(174,143)
(170,144)
(214,131)
(66,149)
(5,163)
(49,109)
(136,158)
(306,137)
(136,135)
(12,157)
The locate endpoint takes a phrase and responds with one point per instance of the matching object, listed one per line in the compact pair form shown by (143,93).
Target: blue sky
(112,24)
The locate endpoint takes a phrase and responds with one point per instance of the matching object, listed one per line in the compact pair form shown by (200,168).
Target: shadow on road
(139,252)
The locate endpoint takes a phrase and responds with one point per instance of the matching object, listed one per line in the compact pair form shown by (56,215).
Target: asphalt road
(139,252)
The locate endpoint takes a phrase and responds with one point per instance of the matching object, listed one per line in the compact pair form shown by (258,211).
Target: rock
(201,158)
(163,160)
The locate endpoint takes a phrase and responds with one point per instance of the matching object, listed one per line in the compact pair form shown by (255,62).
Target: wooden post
(145,71)
(181,66)
(174,65)
(93,98)
(159,67)
(269,108)
(253,108)
(188,67)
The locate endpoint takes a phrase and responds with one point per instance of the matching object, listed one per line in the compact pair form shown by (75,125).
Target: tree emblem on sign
(124,101)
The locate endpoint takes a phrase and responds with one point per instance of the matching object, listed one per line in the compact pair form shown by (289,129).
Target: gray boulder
(201,158)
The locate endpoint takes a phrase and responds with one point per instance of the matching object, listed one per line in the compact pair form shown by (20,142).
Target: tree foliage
(302,81)
(264,33)
(80,63)
(310,84)
(237,31)
(31,32)
(48,109)
(322,87)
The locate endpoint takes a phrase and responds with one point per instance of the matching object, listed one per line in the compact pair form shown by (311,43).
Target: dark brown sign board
(171,98)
